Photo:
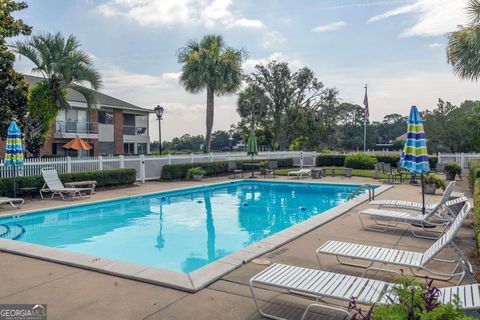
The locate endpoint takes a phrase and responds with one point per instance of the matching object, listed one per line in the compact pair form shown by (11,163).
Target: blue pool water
(178,230)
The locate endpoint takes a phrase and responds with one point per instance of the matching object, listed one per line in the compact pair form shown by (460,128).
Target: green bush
(453,168)
(439,182)
(476,211)
(338,160)
(104,178)
(195,171)
(360,161)
(179,171)
(474,170)
(330,160)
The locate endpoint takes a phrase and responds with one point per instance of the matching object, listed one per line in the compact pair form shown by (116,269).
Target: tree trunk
(209,122)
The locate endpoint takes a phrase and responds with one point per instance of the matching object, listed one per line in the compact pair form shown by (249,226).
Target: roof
(103,99)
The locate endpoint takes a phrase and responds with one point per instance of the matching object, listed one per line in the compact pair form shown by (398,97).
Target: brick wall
(118,130)
(46,149)
(2,148)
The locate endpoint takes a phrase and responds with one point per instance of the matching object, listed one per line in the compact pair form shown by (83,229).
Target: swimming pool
(182,230)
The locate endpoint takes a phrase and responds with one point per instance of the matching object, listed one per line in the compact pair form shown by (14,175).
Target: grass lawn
(355,172)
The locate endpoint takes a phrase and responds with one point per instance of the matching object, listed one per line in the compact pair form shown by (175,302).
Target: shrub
(476,211)
(453,168)
(195,171)
(338,160)
(439,182)
(330,160)
(474,170)
(104,178)
(179,171)
(360,161)
(415,301)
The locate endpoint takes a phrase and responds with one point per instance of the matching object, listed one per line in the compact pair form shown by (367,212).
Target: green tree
(212,65)
(41,114)
(62,64)
(13,87)
(463,50)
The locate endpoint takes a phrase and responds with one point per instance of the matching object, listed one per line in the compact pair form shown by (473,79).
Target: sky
(397,47)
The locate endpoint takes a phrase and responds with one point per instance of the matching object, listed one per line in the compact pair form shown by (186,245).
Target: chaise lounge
(55,186)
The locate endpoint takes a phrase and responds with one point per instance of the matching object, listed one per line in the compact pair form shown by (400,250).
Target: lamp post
(159,112)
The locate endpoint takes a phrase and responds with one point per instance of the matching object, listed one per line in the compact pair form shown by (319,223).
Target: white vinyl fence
(461,158)
(149,167)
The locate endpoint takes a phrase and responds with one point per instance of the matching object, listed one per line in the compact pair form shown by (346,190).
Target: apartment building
(113,127)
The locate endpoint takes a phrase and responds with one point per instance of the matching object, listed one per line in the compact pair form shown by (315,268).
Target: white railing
(149,167)
(461,158)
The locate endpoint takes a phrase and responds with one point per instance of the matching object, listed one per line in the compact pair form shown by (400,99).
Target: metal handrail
(368,187)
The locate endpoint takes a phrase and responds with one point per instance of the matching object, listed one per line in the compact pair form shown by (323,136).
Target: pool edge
(190,282)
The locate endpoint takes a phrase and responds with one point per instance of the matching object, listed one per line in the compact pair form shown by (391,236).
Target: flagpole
(365,125)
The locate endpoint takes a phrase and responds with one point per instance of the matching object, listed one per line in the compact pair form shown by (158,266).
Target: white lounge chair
(322,284)
(386,219)
(414,260)
(12,201)
(411,205)
(55,186)
(300,173)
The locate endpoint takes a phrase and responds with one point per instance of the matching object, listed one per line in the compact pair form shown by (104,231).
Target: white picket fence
(461,158)
(148,167)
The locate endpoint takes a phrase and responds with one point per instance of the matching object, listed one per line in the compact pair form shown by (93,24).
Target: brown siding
(46,149)
(118,131)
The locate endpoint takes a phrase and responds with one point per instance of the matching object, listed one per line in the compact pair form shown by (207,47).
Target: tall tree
(13,87)
(62,64)
(212,65)
(463,50)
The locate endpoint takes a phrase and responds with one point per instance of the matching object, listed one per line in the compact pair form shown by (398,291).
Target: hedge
(104,178)
(476,211)
(474,170)
(338,160)
(179,171)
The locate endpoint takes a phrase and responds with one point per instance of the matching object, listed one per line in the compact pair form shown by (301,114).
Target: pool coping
(195,280)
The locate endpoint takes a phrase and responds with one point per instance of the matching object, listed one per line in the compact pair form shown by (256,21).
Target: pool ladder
(368,187)
(12,232)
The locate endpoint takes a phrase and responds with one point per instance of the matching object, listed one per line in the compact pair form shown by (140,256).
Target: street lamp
(159,112)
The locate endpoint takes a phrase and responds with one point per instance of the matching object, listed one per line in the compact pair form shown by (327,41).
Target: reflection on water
(179,231)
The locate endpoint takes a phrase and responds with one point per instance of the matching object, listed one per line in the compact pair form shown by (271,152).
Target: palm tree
(210,64)
(463,51)
(62,64)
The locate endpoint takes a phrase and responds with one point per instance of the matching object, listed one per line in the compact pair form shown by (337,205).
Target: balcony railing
(76,127)
(135,131)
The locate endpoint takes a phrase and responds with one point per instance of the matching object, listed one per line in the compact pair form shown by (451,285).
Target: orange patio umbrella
(77,143)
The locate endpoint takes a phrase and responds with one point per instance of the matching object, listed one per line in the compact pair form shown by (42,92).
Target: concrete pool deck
(74,293)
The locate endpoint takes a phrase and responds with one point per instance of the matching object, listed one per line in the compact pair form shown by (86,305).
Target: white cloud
(247,23)
(433,18)
(171,76)
(434,45)
(249,64)
(272,39)
(210,13)
(330,26)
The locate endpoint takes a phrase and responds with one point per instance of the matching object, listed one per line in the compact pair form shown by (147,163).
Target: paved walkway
(73,293)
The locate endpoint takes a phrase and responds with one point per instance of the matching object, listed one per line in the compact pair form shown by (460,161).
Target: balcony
(135,131)
(67,129)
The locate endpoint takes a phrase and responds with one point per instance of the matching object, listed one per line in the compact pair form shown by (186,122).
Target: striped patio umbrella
(414,155)
(252,147)
(14,151)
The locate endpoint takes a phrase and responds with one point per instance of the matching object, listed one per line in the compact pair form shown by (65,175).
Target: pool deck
(75,293)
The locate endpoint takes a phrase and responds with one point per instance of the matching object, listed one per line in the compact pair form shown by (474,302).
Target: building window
(105,117)
(107,148)
(129,148)
(141,148)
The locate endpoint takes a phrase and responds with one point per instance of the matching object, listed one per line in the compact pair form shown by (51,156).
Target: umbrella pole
(14,181)
(422,178)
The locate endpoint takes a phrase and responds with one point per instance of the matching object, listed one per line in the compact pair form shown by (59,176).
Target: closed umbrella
(14,151)
(414,155)
(252,147)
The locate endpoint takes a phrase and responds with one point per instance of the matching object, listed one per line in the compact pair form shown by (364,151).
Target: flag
(366,112)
